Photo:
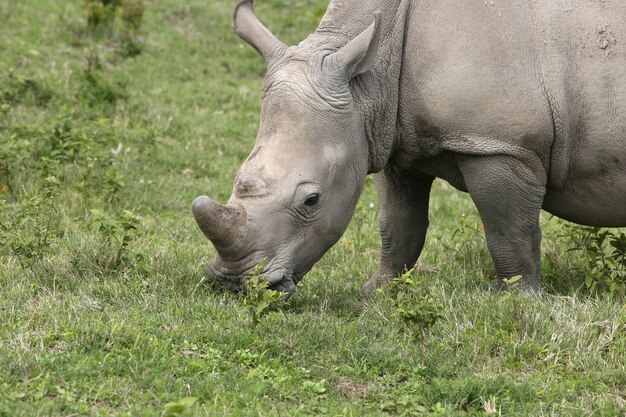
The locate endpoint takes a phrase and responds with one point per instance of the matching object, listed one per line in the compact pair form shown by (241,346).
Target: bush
(414,304)
(30,227)
(102,16)
(13,154)
(605,269)
(132,14)
(258,298)
(16,89)
(97,89)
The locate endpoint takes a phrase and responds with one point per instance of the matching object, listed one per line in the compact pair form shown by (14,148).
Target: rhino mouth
(280,279)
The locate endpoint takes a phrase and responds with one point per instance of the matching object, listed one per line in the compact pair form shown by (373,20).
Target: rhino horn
(250,29)
(221,224)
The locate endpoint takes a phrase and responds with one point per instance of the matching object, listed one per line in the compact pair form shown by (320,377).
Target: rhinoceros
(522,104)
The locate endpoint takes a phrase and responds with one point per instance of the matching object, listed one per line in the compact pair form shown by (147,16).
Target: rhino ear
(250,29)
(358,55)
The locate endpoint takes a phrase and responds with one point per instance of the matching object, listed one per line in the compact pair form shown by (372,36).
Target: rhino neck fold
(376,93)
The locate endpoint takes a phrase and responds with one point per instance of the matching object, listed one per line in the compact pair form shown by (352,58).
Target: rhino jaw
(279,279)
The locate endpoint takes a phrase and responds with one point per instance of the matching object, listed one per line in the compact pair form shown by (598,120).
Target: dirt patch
(350,388)
(181,20)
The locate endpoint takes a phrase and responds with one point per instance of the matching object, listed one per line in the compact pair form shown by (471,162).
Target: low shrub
(414,304)
(30,227)
(604,271)
(258,298)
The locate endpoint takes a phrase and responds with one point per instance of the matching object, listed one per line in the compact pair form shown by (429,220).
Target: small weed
(64,144)
(316,387)
(247,358)
(413,304)
(510,285)
(512,297)
(118,234)
(112,183)
(177,408)
(129,47)
(405,405)
(5,106)
(258,298)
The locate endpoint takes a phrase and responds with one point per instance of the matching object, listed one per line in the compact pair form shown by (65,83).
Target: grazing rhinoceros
(520,103)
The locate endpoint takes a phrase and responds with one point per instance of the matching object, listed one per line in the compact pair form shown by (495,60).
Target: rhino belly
(588,172)
(598,200)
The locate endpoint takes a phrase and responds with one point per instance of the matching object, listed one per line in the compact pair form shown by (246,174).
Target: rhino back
(524,78)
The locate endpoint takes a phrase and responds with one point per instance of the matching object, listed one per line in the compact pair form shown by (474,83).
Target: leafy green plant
(15,89)
(118,233)
(64,143)
(112,183)
(129,47)
(177,408)
(512,299)
(414,304)
(466,244)
(403,406)
(30,226)
(315,387)
(258,298)
(510,285)
(132,12)
(101,14)
(13,154)
(605,251)
(82,155)
(119,20)
(5,106)
(97,88)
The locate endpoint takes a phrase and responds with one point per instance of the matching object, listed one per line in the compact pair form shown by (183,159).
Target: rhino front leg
(509,196)
(403,222)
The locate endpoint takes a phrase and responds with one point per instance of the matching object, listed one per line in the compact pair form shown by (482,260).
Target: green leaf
(176,408)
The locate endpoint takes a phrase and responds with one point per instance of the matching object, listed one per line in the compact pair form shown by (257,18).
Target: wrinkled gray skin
(522,104)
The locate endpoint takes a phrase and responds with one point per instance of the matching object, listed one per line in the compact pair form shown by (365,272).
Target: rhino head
(296,192)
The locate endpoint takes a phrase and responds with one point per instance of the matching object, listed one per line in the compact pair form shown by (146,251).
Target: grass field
(107,135)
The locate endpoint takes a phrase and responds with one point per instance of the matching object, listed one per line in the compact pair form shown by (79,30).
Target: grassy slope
(83,339)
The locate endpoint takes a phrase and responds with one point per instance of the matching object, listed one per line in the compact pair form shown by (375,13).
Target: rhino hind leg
(509,196)
(403,223)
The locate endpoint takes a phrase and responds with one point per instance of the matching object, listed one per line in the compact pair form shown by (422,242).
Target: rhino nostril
(250,187)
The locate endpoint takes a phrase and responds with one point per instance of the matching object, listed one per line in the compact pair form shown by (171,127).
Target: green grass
(92,326)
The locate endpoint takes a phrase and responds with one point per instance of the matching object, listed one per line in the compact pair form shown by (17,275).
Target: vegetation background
(114,115)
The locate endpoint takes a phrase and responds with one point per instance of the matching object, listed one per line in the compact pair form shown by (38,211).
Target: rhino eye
(312,200)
